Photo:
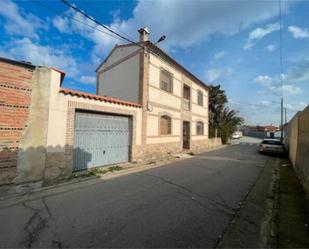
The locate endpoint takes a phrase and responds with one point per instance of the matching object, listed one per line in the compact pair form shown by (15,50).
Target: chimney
(143,34)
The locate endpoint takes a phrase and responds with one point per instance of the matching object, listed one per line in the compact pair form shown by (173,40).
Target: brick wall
(15,99)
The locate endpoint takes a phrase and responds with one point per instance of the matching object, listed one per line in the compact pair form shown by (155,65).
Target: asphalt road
(187,203)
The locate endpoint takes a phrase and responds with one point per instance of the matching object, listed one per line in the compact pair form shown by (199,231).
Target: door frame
(186,143)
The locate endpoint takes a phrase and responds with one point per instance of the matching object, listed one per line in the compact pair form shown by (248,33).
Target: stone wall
(152,152)
(205,144)
(298,140)
(15,100)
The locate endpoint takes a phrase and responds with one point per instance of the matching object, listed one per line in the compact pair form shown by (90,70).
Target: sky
(234,43)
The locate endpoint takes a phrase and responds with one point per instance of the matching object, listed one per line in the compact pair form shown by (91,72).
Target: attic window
(166,79)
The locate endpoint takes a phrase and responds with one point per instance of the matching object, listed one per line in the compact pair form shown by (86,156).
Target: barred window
(200,98)
(166,79)
(165,125)
(199,128)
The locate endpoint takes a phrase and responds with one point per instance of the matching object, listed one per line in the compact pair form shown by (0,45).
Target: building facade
(147,107)
(174,102)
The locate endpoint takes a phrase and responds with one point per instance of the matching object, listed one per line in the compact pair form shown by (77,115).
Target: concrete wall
(298,141)
(119,76)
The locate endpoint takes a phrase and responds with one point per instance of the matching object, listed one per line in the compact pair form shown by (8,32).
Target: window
(166,81)
(199,128)
(165,125)
(199,98)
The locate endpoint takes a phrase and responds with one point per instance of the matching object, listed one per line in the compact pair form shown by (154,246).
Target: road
(187,203)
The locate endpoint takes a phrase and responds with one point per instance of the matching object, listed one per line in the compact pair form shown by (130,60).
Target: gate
(100,139)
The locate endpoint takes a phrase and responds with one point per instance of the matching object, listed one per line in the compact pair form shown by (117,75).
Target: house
(147,106)
(174,101)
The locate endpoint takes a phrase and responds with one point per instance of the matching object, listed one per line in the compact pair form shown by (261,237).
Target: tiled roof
(98,97)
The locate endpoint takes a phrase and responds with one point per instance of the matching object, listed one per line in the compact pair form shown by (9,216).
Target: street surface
(187,203)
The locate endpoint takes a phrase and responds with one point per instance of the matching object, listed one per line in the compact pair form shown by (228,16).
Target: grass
(102,171)
(293,215)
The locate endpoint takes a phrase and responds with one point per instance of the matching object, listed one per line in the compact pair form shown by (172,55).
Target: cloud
(62,24)
(219,55)
(259,33)
(291,89)
(25,49)
(19,23)
(185,23)
(271,47)
(88,80)
(273,84)
(73,22)
(214,74)
(298,33)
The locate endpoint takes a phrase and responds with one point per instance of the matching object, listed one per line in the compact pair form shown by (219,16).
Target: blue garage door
(101,139)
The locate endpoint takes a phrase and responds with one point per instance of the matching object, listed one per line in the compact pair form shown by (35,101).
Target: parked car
(271,145)
(237,135)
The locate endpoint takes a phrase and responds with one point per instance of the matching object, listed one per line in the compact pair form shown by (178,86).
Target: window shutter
(166,81)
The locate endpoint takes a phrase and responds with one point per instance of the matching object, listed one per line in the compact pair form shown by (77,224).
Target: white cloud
(259,33)
(291,89)
(19,23)
(74,22)
(185,23)
(214,74)
(89,80)
(264,80)
(299,33)
(219,55)
(273,84)
(271,47)
(62,24)
(25,49)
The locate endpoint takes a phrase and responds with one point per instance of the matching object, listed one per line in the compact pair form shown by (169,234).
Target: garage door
(100,139)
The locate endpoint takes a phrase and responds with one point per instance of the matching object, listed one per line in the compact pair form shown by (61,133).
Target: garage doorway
(100,140)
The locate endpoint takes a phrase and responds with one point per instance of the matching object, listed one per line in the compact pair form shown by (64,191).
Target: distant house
(268,128)
(174,101)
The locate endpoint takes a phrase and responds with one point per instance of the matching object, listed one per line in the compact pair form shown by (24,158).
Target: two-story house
(174,101)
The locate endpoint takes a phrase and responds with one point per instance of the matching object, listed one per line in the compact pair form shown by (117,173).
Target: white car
(235,135)
(271,145)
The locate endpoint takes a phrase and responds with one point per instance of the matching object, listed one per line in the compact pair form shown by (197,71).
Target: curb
(37,193)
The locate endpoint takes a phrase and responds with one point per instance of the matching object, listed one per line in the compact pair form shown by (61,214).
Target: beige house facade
(174,102)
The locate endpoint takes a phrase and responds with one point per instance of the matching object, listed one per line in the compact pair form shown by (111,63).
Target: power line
(118,30)
(101,24)
(77,20)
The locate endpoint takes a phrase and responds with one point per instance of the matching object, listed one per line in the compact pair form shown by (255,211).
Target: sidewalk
(275,213)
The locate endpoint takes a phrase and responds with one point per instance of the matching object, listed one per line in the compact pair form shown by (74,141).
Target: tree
(221,118)
(217,101)
(229,120)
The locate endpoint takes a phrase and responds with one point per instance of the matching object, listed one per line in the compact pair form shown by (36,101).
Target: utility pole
(285,118)
(281,137)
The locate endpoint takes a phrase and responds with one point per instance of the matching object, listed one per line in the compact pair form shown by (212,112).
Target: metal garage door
(100,139)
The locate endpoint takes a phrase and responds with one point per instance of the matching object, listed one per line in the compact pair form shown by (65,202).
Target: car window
(271,142)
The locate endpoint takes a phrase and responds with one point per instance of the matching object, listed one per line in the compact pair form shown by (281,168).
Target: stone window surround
(159,124)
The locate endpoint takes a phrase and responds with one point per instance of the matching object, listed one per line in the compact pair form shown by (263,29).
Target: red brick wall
(15,100)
